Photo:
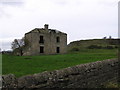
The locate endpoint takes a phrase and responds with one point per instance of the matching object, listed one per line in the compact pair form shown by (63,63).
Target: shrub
(116,46)
(109,47)
(94,47)
(75,49)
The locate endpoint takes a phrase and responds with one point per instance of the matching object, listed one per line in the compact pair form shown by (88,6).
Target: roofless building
(45,41)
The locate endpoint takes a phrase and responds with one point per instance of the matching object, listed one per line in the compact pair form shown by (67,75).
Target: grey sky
(80,19)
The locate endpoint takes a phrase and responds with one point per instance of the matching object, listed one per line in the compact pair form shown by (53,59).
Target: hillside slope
(82,44)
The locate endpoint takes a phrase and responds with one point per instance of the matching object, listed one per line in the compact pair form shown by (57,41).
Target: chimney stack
(46,26)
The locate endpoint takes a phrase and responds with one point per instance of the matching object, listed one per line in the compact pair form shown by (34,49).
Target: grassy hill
(78,53)
(101,43)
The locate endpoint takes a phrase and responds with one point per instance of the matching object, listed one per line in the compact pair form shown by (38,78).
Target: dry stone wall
(90,75)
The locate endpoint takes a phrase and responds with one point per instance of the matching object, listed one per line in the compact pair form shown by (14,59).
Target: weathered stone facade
(45,41)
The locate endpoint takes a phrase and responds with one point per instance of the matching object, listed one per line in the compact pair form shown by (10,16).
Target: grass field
(24,65)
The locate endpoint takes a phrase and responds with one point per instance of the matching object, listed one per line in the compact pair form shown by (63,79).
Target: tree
(18,44)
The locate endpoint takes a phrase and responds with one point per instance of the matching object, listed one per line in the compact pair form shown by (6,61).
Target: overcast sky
(80,19)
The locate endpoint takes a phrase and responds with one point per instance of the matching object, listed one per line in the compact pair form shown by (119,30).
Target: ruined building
(45,41)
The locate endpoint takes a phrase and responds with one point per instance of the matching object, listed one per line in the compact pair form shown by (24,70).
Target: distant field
(24,65)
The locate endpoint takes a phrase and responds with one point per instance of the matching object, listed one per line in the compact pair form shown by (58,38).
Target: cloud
(80,19)
(5,5)
(11,2)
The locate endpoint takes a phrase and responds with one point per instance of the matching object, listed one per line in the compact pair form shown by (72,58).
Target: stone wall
(88,75)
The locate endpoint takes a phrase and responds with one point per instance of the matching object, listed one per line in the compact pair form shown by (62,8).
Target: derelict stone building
(45,41)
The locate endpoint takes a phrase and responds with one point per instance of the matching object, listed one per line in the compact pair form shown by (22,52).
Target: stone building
(45,41)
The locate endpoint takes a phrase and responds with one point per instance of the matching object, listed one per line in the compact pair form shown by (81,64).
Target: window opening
(58,49)
(41,49)
(41,39)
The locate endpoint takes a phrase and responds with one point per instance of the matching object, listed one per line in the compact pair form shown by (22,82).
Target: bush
(75,49)
(116,46)
(109,47)
(94,47)
(101,47)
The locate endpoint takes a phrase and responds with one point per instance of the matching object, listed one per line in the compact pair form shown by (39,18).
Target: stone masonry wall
(50,44)
(88,75)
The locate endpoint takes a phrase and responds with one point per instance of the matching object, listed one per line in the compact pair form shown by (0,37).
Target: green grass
(24,65)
